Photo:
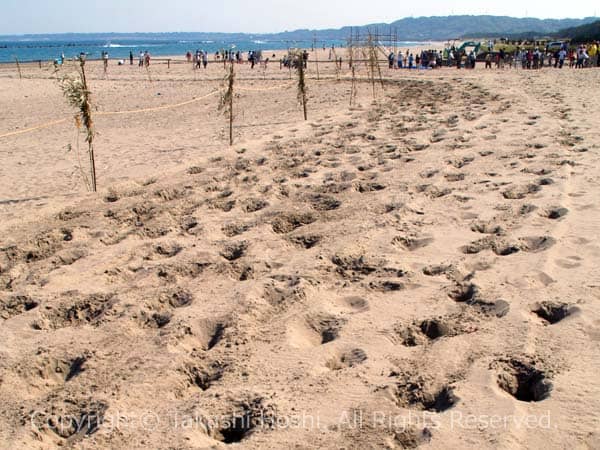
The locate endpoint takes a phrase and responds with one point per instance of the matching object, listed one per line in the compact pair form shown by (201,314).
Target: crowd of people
(200,57)
(426,59)
(557,55)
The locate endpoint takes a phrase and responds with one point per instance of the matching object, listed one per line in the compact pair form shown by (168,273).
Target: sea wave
(119,46)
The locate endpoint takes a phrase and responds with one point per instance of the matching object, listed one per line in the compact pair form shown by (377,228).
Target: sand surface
(419,269)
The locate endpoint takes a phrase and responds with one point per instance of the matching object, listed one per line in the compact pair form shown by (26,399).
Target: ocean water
(45,48)
(48,50)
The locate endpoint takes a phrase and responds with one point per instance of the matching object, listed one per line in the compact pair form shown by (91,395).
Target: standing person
(204,58)
(411,60)
(561,58)
(141,59)
(147,59)
(105,61)
(400,60)
(130,57)
(391,58)
(488,60)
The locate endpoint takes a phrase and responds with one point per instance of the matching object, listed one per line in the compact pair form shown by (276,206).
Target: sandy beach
(419,269)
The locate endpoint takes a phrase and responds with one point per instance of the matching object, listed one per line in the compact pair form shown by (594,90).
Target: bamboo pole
(19,68)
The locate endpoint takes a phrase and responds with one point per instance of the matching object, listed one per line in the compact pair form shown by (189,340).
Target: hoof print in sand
(203,377)
(234,250)
(72,421)
(499,247)
(523,380)
(167,249)
(555,213)
(81,310)
(412,438)
(286,223)
(315,330)
(520,192)
(411,243)
(305,241)
(470,295)
(322,202)
(487,228)
(386,286)
(347,359)
(420,333)
(552,313)
(177,298)
(536,244)
(254,204)
(244,417)
(370,187)
(211,332)
(438,269)
(417,394)
(350,266)
(149,319)
(355,303)
(15,305)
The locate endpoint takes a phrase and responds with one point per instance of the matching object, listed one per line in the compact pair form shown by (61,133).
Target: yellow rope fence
(134,111)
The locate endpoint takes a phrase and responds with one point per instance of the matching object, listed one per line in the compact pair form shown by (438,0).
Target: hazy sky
(55,16)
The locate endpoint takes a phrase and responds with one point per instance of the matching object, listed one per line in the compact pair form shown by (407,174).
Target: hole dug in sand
(523,381)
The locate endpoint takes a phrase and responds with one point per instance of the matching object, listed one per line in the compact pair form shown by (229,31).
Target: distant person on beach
(188,56)
(411,60)
(141,59)
(147,59)
(130,58)
(391,58)
(561,58)
(400,60)
(204,58)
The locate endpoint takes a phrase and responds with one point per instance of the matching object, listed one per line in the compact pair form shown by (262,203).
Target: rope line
(38,127)
(133,111)
(158,108)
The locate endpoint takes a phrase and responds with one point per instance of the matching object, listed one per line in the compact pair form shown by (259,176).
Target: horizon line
(295,30)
